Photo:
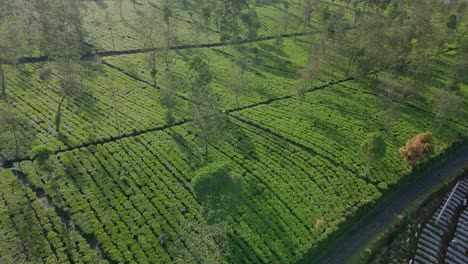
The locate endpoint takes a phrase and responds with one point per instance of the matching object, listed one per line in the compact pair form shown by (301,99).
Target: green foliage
(374,147)
(452,21)
(129,188)
(217,189)
(167,12)
(35,233)
(202,72)
(41,154)
(13,140)
(446,105)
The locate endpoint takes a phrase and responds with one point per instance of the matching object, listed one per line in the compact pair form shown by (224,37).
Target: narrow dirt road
(351,241)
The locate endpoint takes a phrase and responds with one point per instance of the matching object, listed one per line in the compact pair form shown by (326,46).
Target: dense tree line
(402,39)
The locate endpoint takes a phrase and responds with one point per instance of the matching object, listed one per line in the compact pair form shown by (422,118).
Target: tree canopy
(217,189)
(373,148)
(418,148)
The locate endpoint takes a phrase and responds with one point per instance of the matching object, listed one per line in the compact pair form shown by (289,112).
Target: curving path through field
(351,241)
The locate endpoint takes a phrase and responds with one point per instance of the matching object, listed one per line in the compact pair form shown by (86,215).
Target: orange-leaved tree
(418,148)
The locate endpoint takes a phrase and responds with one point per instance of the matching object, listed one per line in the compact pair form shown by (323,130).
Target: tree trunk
(389,121)
(206,141)
(333,67)
(250,35)
(117,123)
(15,136)
(367,169)
(202,129)
(153,67)
(120,8)
(333,60)
(109,24)
(2,73)
(348,68)
(58,116)
(440,127)
(167,59)
(351,59)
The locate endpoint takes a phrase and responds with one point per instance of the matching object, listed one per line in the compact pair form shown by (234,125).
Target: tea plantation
(108,177)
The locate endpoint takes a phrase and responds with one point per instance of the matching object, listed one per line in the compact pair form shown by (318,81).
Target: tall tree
(115,92)
(119,3)
(394,93)
(167,13)
(110,26)
(150,34)
(334,31)
(285,21)
(278,44)
(373,148)
(446,105)
(68,75)
(62,32)
(168,97)
(308,75)
(308,8)
(237,83)
(252,22)
(457,69)
(9,49)
(13,140)
(206,15)
(371,56)
(204,103)
(228,23)
(229,15)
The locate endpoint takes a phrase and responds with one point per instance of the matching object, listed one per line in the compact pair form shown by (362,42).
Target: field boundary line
(110,53)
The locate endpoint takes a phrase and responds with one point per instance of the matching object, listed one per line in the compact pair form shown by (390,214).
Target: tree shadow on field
(87,105)
(270,51)
(25,216)
(335,130)
(266,223)
(140,13)
(70,164)
(238,138)
(262,3)
(134,26)
(179,5)
(231,138)
(279,66)
(192,157)
(263,91)
(101,4)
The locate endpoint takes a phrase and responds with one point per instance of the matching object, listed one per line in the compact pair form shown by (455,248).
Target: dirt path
(350,242)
